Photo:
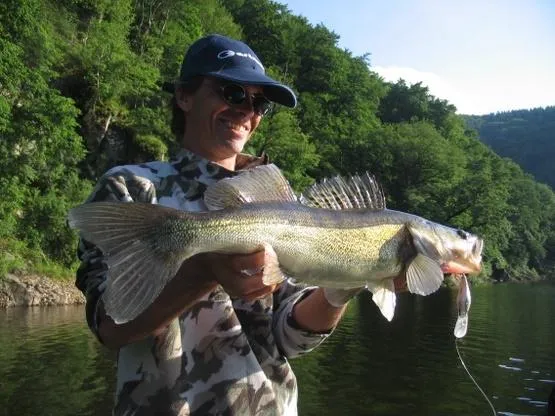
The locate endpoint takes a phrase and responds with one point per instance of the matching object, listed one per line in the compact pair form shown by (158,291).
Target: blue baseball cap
(229,59)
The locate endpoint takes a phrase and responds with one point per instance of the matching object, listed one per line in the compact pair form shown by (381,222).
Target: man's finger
(253,272)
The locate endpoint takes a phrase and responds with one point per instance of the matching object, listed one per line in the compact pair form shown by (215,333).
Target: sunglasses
(235,94)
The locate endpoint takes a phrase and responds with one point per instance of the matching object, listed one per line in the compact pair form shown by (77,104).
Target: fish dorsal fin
(337,193)
(263,183)
(424,275)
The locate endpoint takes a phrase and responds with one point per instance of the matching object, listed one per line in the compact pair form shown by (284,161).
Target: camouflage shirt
(220,357)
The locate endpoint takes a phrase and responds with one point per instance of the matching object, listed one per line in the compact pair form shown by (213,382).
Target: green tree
(40,148)
(414,103)
(281,138)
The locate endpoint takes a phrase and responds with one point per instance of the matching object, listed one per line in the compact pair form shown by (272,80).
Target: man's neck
(227,163)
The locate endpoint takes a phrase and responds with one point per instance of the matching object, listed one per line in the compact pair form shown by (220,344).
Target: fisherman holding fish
(217,337)
(189,280)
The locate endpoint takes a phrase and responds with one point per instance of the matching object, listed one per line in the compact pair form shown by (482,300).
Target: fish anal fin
(383,295)
(263,183)
(424,275)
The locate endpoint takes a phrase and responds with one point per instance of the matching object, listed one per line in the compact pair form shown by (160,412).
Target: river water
(51,365)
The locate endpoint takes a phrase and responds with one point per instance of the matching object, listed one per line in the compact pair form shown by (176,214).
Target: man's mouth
(235,126)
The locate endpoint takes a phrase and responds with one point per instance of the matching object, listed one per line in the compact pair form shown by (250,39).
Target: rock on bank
(37,291)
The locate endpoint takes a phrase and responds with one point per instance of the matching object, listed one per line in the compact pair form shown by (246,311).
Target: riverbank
(36,290)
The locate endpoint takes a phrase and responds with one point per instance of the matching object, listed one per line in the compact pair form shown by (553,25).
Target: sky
(483,56)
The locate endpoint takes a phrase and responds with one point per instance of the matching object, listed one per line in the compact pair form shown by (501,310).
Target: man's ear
(184,100)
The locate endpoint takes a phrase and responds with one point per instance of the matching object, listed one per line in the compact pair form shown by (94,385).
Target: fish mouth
(454,267)
(472,263)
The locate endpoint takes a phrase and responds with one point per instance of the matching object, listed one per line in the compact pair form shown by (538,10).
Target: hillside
(81,91)
(525,136)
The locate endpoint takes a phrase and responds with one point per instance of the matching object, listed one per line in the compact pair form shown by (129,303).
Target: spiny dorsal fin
(360,191)
(263,183)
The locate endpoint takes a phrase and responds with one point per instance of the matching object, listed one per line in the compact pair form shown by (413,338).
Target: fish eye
(462,234)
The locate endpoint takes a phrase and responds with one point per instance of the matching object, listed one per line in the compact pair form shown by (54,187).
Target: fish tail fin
(384,297)
(139,257)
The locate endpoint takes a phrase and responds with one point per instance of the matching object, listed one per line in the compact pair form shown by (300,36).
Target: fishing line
(472,378)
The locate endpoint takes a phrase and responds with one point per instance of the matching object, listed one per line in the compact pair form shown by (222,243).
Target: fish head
(456,251)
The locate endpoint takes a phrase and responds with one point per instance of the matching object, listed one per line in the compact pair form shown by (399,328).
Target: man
(221,355)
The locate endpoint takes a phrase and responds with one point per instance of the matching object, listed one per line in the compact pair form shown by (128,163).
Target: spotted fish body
(318,246)
(338,234)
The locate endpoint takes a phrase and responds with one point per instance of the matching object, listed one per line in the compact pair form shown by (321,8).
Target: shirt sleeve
(290,337)
(122,186)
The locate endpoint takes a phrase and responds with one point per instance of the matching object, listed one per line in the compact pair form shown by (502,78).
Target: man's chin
(236,142)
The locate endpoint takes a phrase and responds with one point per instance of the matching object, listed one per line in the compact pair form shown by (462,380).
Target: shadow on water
(50,364)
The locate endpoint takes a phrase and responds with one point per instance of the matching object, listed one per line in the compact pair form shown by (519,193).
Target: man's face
(215,129)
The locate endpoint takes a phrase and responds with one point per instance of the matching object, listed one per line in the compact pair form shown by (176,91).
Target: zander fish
(337,234)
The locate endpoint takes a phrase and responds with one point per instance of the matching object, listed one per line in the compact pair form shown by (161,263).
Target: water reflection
(50,364)
(410,366)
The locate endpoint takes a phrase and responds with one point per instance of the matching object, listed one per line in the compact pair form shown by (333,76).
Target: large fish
(338,234)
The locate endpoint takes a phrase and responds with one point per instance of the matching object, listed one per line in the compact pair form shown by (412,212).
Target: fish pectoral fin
(384,297)
(424,275)
(272,274)
(461,326)
(263,183)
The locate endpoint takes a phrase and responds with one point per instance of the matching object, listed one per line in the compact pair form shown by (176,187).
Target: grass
(17,258)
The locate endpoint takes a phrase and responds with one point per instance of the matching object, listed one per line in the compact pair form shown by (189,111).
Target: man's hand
(340,297)
(241,275)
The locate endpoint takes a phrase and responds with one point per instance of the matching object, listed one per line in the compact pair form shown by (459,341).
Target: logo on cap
(228,53)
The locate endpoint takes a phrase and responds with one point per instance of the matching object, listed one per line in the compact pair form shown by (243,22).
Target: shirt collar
(187,159)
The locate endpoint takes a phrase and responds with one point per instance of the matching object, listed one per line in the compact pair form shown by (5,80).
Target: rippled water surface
(51,365)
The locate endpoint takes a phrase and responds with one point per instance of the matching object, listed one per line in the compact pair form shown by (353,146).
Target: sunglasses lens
(235,94)
(261,105)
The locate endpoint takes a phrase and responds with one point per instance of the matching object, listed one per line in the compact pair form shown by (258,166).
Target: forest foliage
(525,136)
(81,90)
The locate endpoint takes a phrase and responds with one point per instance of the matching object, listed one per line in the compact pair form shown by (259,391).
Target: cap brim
(273,90)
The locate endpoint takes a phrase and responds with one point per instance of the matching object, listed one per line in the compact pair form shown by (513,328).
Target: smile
(235,126)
